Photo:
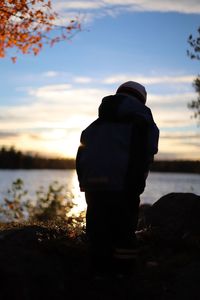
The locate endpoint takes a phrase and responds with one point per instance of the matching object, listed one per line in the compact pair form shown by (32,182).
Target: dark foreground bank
(50,261)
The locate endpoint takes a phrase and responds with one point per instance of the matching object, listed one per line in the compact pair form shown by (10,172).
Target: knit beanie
(135,89)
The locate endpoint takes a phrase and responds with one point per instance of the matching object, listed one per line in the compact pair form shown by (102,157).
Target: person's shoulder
(94,123)
(91,125)
(147,109)
(148,114)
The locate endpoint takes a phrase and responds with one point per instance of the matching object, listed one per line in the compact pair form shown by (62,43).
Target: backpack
(111,155)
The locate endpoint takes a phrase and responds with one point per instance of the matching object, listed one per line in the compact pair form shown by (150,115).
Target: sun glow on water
(78,197)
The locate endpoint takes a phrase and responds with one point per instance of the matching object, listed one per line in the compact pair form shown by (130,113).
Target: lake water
(158,184)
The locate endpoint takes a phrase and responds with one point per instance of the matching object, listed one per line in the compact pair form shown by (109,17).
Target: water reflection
(158,184)
(35,180)
(78,197)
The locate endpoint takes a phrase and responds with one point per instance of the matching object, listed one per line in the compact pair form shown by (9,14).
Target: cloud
(79,5)
(53,106)
(55,115)
(49,134)
(170,120)
(50,90)
(67,95)
(178,148)
(81,79)
(170,99)
(150,80)
(181,136)
(58,104)
(51,74)
(196,144)
(118,6)
(6,134)
(184,6)
(68,77)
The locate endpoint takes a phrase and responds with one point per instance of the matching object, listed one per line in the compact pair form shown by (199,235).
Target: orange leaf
(14,58)
(35,51)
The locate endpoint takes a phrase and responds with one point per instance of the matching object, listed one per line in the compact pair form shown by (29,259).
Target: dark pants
(111,220)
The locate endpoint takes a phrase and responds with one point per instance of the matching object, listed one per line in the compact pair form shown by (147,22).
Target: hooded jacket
(117,148)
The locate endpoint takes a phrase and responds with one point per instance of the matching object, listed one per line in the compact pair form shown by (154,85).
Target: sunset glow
(46,101)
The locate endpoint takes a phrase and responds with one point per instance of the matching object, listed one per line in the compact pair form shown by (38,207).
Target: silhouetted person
(112,164)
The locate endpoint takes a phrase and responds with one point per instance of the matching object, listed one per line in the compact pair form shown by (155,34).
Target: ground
(48,261)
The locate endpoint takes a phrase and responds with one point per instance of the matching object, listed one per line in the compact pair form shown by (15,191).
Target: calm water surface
(158,184)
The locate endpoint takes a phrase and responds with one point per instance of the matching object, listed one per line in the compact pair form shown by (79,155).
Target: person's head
(135,89)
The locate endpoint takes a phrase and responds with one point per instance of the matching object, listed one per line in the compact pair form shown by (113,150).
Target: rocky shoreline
(45,260)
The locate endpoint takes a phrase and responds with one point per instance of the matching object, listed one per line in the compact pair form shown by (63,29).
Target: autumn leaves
(27,25)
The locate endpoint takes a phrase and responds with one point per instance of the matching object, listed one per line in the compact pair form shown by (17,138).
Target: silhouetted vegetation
(194,43)
(50,204)
(10,158)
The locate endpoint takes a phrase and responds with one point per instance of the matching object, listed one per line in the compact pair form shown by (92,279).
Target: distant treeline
(179,166)
(10,158)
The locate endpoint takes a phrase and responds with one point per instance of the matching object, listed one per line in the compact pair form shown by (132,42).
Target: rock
(187,282)
(176,215)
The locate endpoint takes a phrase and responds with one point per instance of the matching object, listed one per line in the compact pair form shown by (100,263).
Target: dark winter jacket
(117,149)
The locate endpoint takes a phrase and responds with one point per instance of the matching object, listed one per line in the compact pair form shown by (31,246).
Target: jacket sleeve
(149,145)
(150,148)
(153,138)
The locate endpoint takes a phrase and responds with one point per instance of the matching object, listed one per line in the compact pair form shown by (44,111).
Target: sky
(47,100)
